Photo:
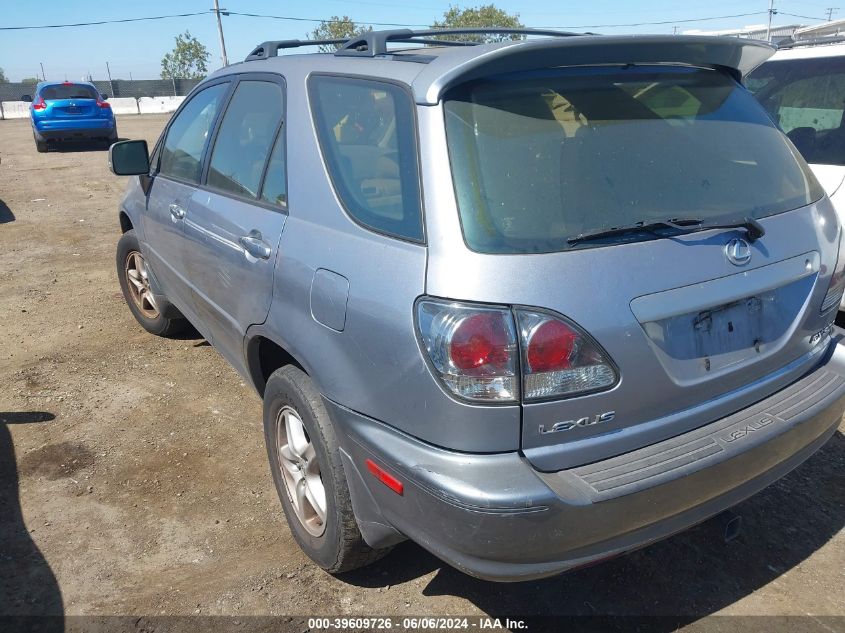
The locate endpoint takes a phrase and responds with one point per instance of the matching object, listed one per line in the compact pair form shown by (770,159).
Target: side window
(368,138)
(246,134)
(275,188)
(181,154)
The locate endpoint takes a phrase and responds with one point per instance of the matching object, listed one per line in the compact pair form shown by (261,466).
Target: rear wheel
(41,146)
(134,277)
(308,474)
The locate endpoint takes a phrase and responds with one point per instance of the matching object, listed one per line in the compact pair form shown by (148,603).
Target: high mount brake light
(474,351)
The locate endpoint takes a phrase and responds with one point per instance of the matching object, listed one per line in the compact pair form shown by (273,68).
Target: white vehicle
(803,88)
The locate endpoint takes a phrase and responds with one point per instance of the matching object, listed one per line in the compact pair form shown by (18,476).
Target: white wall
(126,105)
(15,109)
(151,105)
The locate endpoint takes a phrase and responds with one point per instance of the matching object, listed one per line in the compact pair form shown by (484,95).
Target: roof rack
(372,43)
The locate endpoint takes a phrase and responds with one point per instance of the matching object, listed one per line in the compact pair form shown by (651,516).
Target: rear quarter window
(367,134)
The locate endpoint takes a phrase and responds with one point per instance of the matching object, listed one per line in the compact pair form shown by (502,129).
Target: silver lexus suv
(530,304)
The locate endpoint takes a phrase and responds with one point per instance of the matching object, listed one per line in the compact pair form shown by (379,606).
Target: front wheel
(134,276)
(308,474)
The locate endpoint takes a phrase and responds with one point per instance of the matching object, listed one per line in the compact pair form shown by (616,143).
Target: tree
(3,79)
(336,28)
(30,80)
(187,60)
(487,16)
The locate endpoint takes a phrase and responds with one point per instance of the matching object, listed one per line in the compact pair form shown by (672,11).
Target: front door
(175,179)
(234,221)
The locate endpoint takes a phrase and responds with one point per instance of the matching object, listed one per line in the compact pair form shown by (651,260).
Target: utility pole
(111,85)
(769,26)
(830,11)
(43,76)
(217,11)
(674,30)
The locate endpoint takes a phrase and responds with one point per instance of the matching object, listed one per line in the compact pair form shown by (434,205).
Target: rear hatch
(559,175)
(71,101)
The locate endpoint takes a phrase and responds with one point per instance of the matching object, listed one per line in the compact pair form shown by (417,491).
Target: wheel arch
(125,222)
(264,355)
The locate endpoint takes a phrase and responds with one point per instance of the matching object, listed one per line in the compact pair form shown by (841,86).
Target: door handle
(255,246)
(177,212)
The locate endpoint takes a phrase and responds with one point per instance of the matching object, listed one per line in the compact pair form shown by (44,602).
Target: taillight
(836,287)
(559,358)
(473,349)
(104,104)
(40,104)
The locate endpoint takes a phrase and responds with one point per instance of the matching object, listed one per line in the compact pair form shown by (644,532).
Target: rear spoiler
(739,56)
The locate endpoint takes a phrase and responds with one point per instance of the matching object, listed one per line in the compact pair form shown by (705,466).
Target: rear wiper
(754,230)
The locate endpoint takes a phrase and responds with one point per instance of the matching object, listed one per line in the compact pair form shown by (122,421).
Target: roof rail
(372,43)
(815,41)
(271,48)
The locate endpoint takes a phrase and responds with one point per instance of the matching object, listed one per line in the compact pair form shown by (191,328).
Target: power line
(293,19)
(62,26)
(396,24)
(608,26)
(803,17)
(580,26)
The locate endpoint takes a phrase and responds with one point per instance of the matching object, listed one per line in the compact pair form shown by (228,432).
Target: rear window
(538,158)
(68,91)
(806,98)
(368,138)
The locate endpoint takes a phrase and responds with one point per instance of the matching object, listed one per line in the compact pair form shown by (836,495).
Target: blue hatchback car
(70,111)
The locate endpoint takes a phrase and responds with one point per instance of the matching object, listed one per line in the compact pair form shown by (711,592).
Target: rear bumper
(77,129)
(495,517)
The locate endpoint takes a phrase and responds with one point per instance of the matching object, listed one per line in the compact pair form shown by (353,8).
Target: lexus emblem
(738,252)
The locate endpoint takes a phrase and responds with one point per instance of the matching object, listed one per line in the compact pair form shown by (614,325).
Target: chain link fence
(116,88)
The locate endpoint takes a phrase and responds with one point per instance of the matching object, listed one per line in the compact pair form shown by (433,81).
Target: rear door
(175,180)
(235,220)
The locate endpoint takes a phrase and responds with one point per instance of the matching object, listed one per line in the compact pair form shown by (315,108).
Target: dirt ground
(133,476)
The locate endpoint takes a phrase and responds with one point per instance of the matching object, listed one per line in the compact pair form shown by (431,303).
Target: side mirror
(104,97)
(27,98)
(129,158)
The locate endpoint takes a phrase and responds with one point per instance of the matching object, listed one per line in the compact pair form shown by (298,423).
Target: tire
(41,146)
(135,288)
(335,543)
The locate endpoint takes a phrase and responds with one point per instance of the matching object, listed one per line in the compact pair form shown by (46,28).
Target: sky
(135,49)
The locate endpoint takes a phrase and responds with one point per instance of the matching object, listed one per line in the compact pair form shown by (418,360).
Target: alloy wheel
(137,277)
(301,471)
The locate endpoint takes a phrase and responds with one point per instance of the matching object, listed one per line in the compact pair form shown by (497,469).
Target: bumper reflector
(386,478)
